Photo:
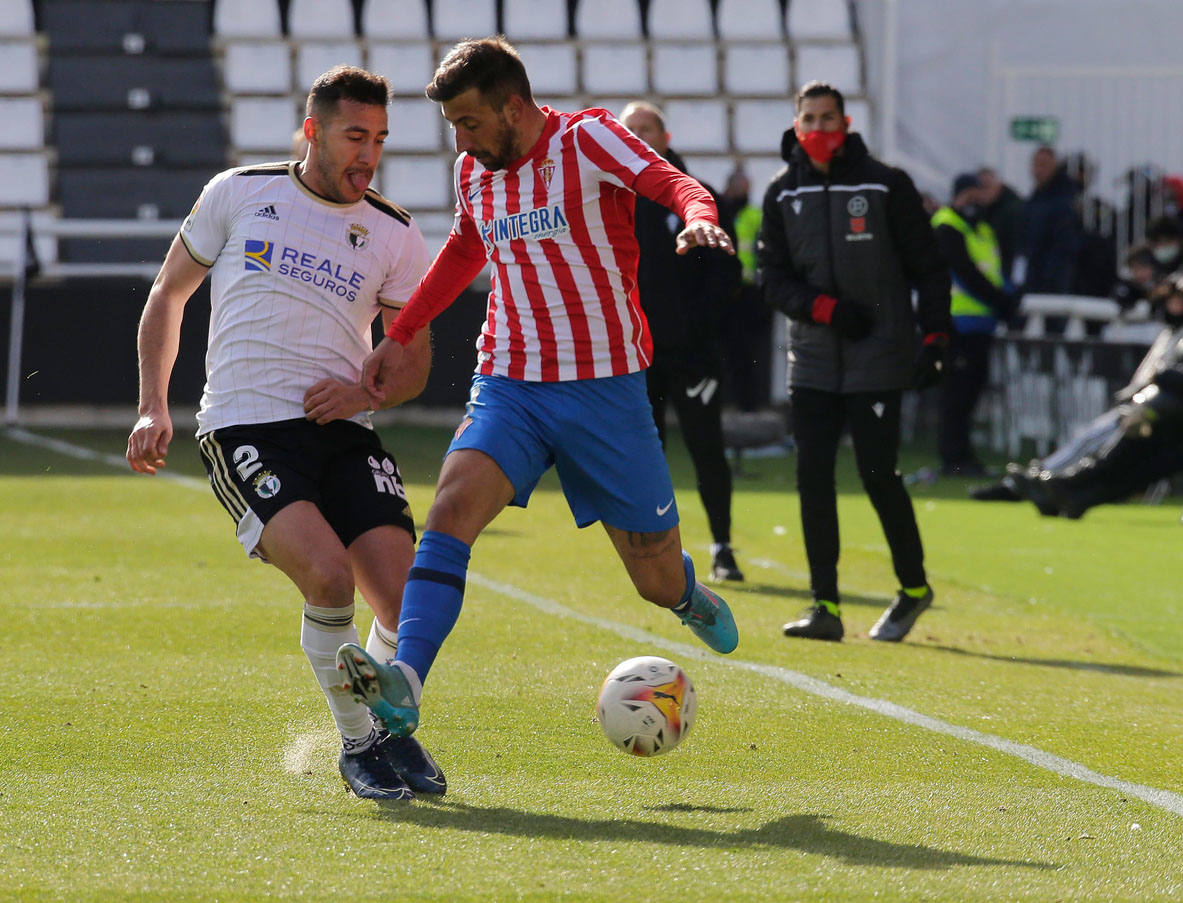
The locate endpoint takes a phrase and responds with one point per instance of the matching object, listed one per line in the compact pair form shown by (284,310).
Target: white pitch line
(1163,799)
(89,454)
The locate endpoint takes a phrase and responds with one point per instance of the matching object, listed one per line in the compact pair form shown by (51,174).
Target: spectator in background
(1002,208)
(980,299)
(1164,238)
(843,243)
(747,331)
(1051,228)
(686,298)
(1096,260)
(1138,280)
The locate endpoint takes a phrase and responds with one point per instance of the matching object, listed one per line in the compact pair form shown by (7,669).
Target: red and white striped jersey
(557,228)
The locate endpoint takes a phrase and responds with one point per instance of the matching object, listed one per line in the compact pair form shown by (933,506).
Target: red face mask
(821,146)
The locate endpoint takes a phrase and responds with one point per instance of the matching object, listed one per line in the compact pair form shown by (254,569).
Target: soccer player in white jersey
(302,257)
(547,198)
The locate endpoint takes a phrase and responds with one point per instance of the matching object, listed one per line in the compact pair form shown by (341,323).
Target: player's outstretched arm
(704,234)
(158,341)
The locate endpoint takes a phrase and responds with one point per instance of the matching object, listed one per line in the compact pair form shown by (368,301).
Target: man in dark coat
(843,243)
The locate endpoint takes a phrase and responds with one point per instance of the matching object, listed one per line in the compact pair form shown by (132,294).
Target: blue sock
(432,599)
(688,567)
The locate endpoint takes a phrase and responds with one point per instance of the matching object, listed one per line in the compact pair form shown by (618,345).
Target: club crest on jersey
(857,207)
(358,236)
(546,171)
(531,225)
(258,255)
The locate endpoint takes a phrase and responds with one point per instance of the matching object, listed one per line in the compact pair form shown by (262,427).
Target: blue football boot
(370,775)
(382,688)
(710,619)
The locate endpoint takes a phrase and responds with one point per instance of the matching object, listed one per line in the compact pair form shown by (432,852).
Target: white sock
(324,631)
(412,679)
(382,644)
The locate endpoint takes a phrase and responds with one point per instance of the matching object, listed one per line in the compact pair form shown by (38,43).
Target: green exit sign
(1044,129)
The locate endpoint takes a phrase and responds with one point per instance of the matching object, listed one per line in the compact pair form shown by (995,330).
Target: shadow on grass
(807,833)
(1102,667)
(801,593)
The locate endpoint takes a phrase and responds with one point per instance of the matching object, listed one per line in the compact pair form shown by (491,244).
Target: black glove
(930,362)
(852,320)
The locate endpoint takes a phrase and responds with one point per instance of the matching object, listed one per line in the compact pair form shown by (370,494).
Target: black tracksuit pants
(697,400)
(966,376)
(873,418)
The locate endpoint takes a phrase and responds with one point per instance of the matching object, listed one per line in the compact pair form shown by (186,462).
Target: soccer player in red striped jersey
(546,198)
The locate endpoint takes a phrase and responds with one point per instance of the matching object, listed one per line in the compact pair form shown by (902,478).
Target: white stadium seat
(24,123)
(685,69)
(837,64)
(615,69)
(456,19)
(760,170)
(24,180)
(759,124)
(407,66)
(257,67)
(19,69)
(697,125)
(818,19)
(415,125)
(418,183)
(534,19)
(860,119)
(16,18)
(320,19)
(316,57)
(598,19)
(263,123)
(756,69)
(680,20)
(750,20)
(552,68)
(395,20)
(257,19)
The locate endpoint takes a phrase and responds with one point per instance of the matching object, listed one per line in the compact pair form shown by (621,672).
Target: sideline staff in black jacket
(844,241)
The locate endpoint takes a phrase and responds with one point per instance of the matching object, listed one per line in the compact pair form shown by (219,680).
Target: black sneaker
(894,624)
(819,623)
(723,567)
(413,764)
(371,777)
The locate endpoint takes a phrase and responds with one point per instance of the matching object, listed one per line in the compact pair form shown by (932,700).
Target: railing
(79,228)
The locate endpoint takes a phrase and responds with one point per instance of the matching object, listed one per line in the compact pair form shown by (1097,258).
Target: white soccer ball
(646,705)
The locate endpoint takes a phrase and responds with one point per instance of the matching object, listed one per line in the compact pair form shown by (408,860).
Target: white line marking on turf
(1164,799)
(89,454)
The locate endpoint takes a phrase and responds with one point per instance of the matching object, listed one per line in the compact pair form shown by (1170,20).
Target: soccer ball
(646,705)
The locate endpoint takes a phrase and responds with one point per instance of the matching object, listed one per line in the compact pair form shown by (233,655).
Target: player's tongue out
(359,180)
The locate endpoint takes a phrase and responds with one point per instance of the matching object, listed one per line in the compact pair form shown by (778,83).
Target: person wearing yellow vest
(981,297)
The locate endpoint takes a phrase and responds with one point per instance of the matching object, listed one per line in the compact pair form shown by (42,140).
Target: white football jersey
(295,284)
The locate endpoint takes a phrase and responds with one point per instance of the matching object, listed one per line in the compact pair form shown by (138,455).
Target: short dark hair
(491,65)
(346,83)
(821,89)
(1163,227)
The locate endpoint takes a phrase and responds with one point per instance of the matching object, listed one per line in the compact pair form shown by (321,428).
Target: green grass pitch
(162,737)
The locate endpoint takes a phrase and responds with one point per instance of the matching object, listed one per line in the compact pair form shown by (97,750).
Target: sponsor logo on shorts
(386,477)
(662,509)
(464,424)
(267,485)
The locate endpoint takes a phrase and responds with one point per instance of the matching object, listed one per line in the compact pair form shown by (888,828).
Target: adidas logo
(268,212)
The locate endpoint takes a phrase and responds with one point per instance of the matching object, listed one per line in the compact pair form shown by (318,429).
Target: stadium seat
(759,124)
(418,183)
(837,64)
(456,19)
(552,67)
(385,20)
(104,81)
(818,19)
(16,18)
(749,20)
(685,69)
(18,67)
(681,20)
(859,112)
(407,66)
(615,68)
(415,125)
(756,69)
(257,67)
(24,180)
(534,20)
(320,19)
(602,19)
(761,169)
(316,57)
(263,123)
(257,19)
(24,123)
(697,125)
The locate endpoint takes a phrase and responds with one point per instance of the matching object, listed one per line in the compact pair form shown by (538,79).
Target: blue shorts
(599,435)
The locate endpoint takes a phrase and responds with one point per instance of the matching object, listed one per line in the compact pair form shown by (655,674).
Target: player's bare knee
(328,583)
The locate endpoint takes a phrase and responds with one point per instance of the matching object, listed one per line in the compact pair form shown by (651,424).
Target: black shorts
(258,469)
